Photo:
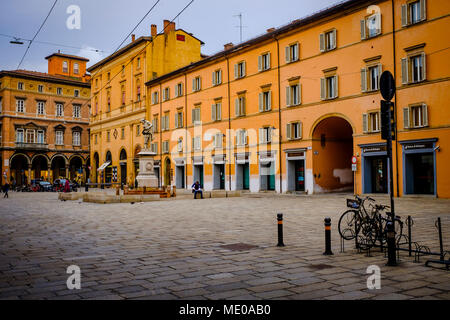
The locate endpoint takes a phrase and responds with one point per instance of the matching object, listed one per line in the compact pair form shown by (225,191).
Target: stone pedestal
(146,176)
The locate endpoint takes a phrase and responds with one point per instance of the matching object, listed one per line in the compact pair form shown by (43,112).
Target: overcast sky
(105,24)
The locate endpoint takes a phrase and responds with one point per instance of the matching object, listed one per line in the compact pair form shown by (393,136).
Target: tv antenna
(240,26)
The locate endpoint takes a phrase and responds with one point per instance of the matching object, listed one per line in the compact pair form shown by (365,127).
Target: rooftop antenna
(240,26)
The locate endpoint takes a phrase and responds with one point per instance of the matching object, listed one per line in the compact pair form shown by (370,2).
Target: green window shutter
(322,42)
(213,112)
(365,124)
(269,101)
(380,70)
(243,69)
(260,63)
(406,118)
(288,131)
(176,120)
(193,85)
(378,22)
(213,78)
(288,96)
(261,135)
(243,106)
(287,54)
(236,107)
(299,94)
(363,79)
(236,71)
(336,88)
(425,115)
(363,29)
(404,15)
(424,66)
(297,51)
(268,61)
(300,129)
(423,10)
(219,111)
(334,39)
(404,70)
(323,89)
(193,115)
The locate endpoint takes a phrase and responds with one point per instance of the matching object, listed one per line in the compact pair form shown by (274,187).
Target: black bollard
(441,246)
(390,236)
(328,237)
(280,230)
(86,187)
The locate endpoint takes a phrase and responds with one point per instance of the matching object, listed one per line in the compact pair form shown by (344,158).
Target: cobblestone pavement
(172,250)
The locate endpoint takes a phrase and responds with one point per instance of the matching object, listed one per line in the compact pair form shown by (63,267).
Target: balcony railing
(31,146)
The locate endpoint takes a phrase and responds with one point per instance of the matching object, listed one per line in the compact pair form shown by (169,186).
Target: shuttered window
(216,111)
(264,62)
(327,40)
(415,116)
(239,106)
(294,130)
(370,78)
(216,77)
(329,87)
(293,95)
(371,122)
(292,53)
(196,84)
(241,137)
(265,101)
(265,135)
(413,12)
(239,70)
(371,26)
(414,68)
(179,120)
(196,119)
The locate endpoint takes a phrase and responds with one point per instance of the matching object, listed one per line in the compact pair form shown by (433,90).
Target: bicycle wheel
(369,231)
(349,224)
(398,230)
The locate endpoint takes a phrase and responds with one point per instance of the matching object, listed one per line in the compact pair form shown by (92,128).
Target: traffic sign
(354,160)
(353,166)
(387,85)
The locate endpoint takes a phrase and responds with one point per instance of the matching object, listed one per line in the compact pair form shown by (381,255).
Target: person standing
(67,186)
(5,189)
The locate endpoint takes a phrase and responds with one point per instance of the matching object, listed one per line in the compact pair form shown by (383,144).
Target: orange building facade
(286,111)
(44,121)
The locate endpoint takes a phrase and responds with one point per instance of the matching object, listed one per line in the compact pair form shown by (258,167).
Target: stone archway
(59,167)
(167,168)
(76,168)
(123,166)
(19,164)
(39,167)
(332,151)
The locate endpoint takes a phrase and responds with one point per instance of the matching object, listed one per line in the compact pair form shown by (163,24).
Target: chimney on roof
(270,30)
(154,31)
(133,37)
(228,46)
(168,26)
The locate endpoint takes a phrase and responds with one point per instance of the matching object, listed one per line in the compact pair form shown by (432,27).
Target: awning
(103,166)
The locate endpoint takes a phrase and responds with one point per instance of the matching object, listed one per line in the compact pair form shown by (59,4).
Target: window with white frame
(179,90)
(216,77)
(327,40)
(40,107)
(166,94)
(239,70)
(19,135)
(370,77)
(31,136)
(264,62)
(20,105)
(413,12)
(59,137)
(265,101)
(40,88)
(40,137)
(165,122)
(265,135)
(371,122)
(179,123)
(20,85)
(77,111)
(294,130)
(293,95)
(65,67)
(415,116)
(165,146)
(180,145)
(76,68)
(155,97)
(414,68)
(291,52)
(196,115)
(239,106)
(59,110)
(241,137)
(59,91)
(76,138)
(218,140)
(371,26)
(329,87)
(196,84)
(197,143)
(216,111)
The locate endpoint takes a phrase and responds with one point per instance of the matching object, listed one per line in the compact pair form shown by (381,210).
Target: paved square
(173,249)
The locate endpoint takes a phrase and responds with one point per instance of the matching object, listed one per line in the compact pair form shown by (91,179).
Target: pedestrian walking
(5,190)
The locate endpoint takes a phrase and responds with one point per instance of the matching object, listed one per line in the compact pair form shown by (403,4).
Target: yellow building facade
(286,111)
(119,99)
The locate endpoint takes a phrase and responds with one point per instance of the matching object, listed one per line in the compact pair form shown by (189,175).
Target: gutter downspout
(229,123)
(160,134)
(186,130)
(279,114)
(395,99)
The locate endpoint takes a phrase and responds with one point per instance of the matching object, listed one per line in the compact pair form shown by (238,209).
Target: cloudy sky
(106,23)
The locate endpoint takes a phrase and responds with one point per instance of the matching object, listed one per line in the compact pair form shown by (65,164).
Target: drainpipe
(395,98)
(279,114)
(229,122)
(160,135)
(186,130)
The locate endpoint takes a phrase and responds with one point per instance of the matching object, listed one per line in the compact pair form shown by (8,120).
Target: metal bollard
(280,230)
(328,237)
(390,236)
(441,246)
(86,187)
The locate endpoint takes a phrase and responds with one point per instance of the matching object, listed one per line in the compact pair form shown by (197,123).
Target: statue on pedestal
(147,132)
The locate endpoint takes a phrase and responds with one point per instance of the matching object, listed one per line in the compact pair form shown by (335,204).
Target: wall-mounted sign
(418,145)
(374,149)
(353,166)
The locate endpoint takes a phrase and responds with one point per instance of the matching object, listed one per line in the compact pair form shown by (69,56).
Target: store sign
(353,166)
(296,154)
(424,145)
(374,149)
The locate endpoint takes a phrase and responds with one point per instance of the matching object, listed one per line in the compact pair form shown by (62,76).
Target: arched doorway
(19,169)
(58,167)
(332,152)
(39,168)
(108,169)
(123,166)
(96,165)
(76,168)
(167,175)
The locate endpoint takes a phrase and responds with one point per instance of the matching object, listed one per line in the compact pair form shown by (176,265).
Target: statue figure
(147,132)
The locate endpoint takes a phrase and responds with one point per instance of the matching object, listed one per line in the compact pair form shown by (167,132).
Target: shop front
(295,166)
(419,166)
(374,168)
(242,171)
